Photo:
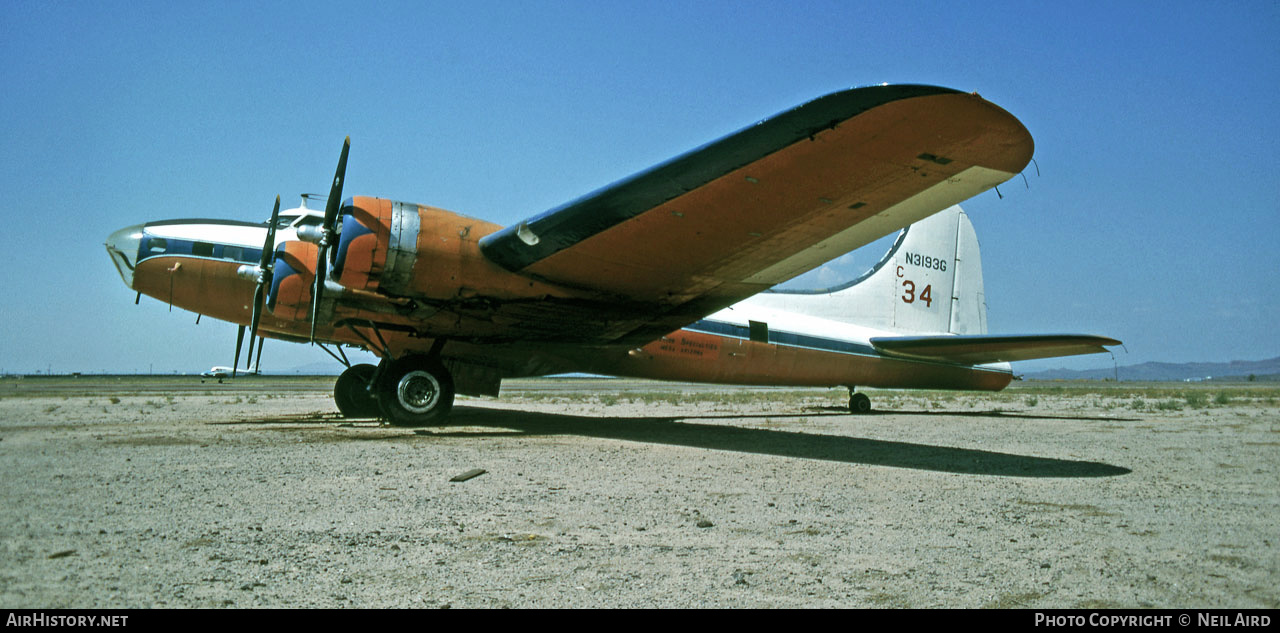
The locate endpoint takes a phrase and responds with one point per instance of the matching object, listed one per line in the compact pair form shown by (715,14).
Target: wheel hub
(418,391)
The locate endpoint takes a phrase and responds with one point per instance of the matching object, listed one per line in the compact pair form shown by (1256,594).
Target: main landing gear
(413,390)
(859,402)
(352,394)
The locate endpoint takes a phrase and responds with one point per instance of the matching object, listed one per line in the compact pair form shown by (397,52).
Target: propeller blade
(315,292)
(253,326)
(266,266)
(330,232)
(335,191)
(268,249)
(257,366)
(239,343)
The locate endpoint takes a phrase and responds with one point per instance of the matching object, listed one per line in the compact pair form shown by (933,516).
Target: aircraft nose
(122,246)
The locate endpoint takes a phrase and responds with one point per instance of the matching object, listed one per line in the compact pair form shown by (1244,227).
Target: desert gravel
(242,496)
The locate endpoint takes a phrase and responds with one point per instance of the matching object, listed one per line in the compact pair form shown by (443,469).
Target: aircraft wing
(978,349)
(727,220)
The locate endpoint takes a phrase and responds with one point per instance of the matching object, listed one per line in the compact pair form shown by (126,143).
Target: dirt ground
(176,493)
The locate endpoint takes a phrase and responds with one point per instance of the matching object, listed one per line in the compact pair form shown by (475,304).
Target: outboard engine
(290,296)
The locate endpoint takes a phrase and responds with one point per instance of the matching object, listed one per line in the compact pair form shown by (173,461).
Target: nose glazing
(122,247)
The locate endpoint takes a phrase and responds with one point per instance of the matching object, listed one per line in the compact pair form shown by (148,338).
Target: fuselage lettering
(909,293)
(925,261)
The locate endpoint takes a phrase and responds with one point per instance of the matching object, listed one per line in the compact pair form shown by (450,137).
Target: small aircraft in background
(220,371)
(666,274)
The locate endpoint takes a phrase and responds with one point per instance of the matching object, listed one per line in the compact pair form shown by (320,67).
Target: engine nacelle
(294,275)
(378,245)
(408,250)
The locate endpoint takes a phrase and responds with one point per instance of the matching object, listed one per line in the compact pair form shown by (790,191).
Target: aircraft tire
(415,391)
(352,395)
(859,403)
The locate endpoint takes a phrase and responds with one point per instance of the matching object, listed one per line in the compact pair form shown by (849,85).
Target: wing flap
(979,349)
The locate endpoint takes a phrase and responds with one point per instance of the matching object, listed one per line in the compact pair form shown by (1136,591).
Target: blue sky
(1154,218)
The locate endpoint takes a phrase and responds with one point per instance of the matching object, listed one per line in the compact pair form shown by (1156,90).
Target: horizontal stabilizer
(979,349)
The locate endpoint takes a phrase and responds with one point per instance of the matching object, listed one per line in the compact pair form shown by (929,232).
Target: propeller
(266,265)
(329,233)
(239,346)
(257,367)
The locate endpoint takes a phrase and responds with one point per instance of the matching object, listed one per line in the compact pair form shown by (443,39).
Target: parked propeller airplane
(666,274)
(221,371)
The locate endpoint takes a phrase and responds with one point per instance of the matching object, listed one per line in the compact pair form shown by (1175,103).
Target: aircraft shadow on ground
(680,432)
(983,414)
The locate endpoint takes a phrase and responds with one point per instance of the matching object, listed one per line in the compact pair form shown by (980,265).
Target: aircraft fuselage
(197,265)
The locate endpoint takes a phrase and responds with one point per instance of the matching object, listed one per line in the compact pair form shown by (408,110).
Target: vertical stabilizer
(968,299)
(930,281)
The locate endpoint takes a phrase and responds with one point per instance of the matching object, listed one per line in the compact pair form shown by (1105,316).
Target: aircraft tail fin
(929,282)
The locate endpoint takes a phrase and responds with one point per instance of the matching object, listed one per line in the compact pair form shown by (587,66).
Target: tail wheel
(352,394)
(415,391)
(859,403)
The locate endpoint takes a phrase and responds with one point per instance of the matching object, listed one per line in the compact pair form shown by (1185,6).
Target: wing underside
(980,349)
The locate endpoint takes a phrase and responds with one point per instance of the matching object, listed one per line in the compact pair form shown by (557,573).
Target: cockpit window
(157,245)
(287,221)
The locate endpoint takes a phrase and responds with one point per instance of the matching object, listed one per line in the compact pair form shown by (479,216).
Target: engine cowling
(407,250)
(378,245)
(294,275)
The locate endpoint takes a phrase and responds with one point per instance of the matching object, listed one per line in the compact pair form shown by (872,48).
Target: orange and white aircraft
(666,274)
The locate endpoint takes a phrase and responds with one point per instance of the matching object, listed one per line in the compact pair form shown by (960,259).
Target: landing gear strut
(859,402)
(414,390)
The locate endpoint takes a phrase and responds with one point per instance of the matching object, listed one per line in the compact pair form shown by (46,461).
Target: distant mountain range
(1268,370)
